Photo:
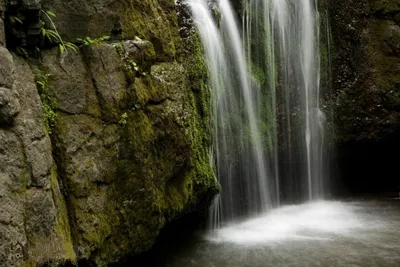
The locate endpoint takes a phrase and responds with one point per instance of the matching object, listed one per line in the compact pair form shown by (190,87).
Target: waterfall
(269,128)
(282,39)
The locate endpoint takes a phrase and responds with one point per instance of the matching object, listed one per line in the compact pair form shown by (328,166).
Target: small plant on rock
(87,41)
(53,36)
(48,103)
(123,121)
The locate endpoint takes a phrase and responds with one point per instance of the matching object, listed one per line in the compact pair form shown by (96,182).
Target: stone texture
(2,5)
(141,52)
(9,106)
(7,68)
(34,226)
(155,21)
(107,72)
(31,4)
(13,241)
(129,149)
(365,67)
(70,83)
(136,172)
(2,32)
(364,92)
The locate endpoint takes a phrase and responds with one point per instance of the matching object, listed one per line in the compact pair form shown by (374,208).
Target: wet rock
(366,69)
(34,226)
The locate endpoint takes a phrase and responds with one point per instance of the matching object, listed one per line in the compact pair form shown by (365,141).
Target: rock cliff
(100,147)
(365,93)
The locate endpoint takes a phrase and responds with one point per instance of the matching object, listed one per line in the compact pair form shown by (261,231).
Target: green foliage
(48,102)
(15,19)
(87,41)
(53,36)
(50,13)
(133,64)
(123,121)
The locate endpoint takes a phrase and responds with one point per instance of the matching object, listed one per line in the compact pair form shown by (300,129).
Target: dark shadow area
(175,237)
(368,167)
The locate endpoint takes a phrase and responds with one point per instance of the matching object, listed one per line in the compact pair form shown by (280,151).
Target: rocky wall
(102,147)
(365,94)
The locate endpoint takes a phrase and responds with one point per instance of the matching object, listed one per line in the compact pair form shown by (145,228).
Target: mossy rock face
(134,154)
(155,21)
(130,136)
(125,181)
(365,74)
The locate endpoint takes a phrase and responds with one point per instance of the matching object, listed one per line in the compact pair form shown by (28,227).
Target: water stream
(282,40)
(269,128)
(240,154)
(356,233)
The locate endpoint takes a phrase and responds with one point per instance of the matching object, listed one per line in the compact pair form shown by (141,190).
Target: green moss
(146,89)
(139,129)
(384,6)
(49,103)
(100,227)
(203,175)
(162,159)
(148,21)
(62,223)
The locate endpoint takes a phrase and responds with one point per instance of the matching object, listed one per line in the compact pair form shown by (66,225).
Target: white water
(269,128)
(312,221)
(240,157)
(361,233)
(284,43)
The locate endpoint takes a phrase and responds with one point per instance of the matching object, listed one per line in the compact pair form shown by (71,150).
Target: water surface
(325,233)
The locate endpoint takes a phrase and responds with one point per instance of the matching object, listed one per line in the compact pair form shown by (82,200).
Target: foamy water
(319,221)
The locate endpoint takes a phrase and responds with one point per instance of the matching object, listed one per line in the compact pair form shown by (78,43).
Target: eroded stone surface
(7,68)
(9,106)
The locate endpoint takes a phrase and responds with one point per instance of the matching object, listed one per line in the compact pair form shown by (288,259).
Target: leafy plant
(87,41)
(53,36)
(48,103)
(123,121)
(133,64)
(15,19)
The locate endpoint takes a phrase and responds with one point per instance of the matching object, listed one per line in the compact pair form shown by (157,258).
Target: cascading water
(282,38)
(269,128)
(241,163)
